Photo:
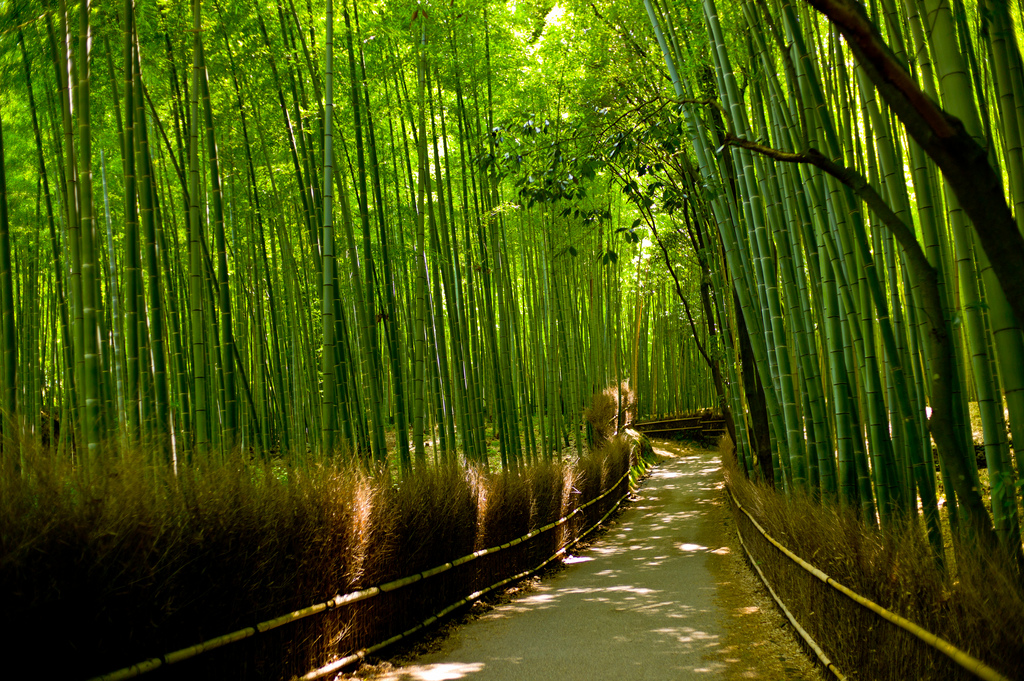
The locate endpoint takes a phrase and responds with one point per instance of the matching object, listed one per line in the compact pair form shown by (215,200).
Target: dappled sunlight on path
(442,671)
(651,599)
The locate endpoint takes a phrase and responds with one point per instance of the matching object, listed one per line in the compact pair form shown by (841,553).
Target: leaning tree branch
(951,451)
(964,162)
(852,179)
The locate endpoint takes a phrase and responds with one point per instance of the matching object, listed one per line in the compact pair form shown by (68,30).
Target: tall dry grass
(977,605)
(111,570)
(608,413)
(139,561)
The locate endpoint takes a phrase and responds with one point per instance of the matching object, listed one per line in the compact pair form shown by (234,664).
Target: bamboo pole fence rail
(703,425)
(339,600)
(359,655)
(961,658)
(811,643)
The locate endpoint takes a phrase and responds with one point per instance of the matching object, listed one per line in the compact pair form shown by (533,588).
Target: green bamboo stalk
(327,403)
(91,427)
(368,318)
(10,394)
(420,264)
(58,269)
(394,345)
(147,201)
(115,312)
(196,270)
(228,390)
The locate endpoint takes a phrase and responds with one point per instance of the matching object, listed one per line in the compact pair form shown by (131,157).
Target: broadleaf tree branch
(964,162)
(951,450)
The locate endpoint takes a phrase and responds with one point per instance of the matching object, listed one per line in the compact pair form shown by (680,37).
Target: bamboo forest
(334,328)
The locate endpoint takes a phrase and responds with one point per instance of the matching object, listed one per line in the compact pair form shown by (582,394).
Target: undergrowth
(975,604)
(114,569)
(609,412)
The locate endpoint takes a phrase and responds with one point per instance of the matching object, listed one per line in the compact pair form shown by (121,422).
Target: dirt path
(663,594)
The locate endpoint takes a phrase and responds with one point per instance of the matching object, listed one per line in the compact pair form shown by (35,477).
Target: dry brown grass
(600,415)
(604,412)
(977,606)
(139,562)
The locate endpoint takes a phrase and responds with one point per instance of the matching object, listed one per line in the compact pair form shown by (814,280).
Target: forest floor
(664,593)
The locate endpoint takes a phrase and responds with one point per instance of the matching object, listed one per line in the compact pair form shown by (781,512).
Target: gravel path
(663,594)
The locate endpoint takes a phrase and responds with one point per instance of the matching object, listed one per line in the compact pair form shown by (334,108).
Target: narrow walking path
(663,594)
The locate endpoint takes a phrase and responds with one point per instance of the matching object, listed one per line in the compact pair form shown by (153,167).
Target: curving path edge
(663,594)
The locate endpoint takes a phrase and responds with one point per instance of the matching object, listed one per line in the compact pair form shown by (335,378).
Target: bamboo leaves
(233,327)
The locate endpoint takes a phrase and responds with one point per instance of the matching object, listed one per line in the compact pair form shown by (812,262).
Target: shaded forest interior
(259,256)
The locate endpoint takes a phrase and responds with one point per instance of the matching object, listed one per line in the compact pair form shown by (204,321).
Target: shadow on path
(663,594)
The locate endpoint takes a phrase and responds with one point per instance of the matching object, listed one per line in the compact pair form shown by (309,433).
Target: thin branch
(951,450)
(852,179)
(963,161)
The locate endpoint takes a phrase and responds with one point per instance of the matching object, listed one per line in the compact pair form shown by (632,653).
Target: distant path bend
(662,595)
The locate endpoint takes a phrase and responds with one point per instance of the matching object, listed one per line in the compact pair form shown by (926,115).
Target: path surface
(663,594)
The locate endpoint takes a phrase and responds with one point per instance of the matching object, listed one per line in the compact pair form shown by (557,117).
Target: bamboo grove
(867,233)
(406,232)
(271,227)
